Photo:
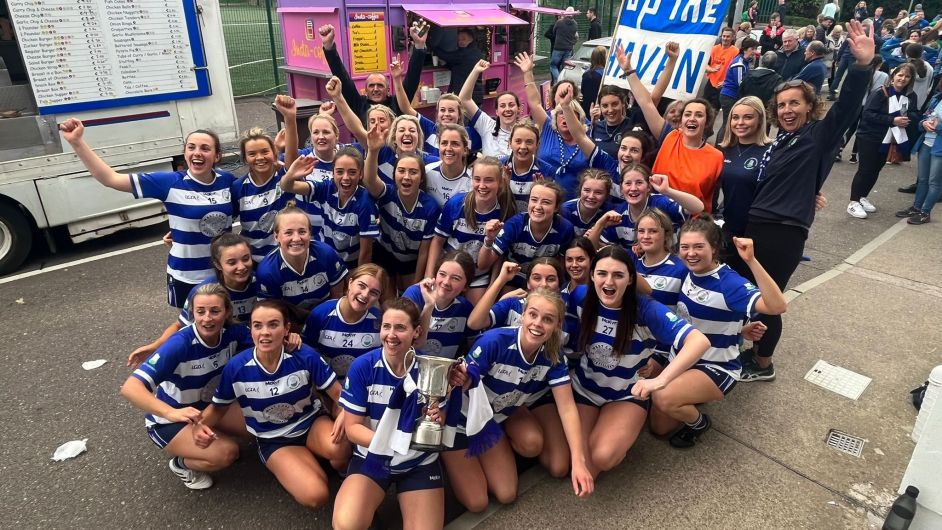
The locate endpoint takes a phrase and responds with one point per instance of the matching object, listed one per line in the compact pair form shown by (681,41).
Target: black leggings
(872,160)
(778,249)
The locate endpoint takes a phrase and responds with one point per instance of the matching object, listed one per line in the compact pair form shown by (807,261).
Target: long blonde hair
(505,197)
(730,139)
(554,344)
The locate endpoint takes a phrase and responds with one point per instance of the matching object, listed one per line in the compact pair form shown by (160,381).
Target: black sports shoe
(908,212)
(908,189)
(920,218)
(687,436)
(853,158)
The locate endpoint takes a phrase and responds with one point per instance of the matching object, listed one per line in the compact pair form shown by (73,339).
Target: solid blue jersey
(458,234)
(185,371)
(521,183)
(280,403)
(242,301)
(559,161)
(717,303)
(402,231)
(508,378)
(197,213)
(665,278)
(344,225)
(448,327)
(258,206)
(442,188)
(307,287)
(339,341)
(624,233)
(516,242)
(366,392)
(387,163)
(604,375)
(580,225)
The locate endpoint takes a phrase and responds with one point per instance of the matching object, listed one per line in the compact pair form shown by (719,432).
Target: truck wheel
(16,238)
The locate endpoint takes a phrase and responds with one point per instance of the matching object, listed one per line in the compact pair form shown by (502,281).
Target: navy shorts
(391,263)
(163,433)
(481,280)
(721,379)
(267,446)
(178,291)
(424,477)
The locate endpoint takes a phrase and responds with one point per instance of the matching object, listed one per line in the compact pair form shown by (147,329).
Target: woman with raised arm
(198,202)
(407,214)
(495,133)
(791,174)
(559,156)
(691,164)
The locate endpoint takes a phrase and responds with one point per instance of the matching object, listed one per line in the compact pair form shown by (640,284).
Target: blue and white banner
(646,26)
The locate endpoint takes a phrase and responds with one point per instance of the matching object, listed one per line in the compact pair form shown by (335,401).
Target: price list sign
(367,42)
(88,54)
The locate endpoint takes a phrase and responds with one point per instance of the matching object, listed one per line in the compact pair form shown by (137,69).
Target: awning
(456,15)
(540,9)
(306,9)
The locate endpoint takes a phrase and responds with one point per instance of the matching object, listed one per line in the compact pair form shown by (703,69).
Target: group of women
(587,294)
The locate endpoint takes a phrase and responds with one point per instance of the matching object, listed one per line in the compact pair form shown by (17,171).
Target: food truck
(140,75)
(370,33)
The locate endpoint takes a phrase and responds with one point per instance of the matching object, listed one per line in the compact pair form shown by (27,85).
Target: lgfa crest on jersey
(750,163)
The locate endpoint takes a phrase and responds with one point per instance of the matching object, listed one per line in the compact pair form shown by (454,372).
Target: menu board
(367,42)
(88,54)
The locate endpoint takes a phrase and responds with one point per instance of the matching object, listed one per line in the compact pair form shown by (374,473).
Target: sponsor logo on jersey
(153,359)
(293,381)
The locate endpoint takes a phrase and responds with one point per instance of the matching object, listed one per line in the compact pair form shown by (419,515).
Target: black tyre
(16,237)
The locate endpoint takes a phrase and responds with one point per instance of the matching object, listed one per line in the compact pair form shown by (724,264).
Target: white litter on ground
(70,450)
(91,365)
(838,380)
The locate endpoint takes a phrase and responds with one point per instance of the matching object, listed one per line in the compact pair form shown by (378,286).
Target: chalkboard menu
(88,54)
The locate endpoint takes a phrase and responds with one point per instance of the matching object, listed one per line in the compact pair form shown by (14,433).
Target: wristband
(628,73)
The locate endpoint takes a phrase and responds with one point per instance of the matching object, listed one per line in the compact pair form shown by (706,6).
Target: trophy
(432,385)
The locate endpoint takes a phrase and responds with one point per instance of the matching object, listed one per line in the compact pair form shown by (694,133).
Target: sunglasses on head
(788,84)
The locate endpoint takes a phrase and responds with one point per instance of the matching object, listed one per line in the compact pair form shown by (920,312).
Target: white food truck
(140,74)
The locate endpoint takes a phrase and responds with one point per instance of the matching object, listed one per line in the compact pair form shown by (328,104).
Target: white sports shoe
(195,480)
(855,209)
(867,205)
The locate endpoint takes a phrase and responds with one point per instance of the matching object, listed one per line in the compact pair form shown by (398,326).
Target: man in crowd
(595,27)
(790,57)
(815,71)
(565,35)
(720,57)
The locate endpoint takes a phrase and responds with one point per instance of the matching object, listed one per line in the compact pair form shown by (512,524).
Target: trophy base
(427,448)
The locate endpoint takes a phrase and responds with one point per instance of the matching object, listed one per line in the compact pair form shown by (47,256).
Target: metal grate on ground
(845,443)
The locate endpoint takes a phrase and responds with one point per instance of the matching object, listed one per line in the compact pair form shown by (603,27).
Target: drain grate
(845,443)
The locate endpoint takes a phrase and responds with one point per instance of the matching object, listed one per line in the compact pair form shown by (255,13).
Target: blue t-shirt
(624,233)
(717,303)
(402,231)
(738,181)
(366,392)
(197,213)
(559,161)
(307,287)
(604,375)
(185,371)
(277,404)
(257,207)
(509,379)
(242,301)
(339,341)
(448,327)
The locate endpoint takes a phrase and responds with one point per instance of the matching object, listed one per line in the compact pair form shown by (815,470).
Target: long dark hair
(627,315)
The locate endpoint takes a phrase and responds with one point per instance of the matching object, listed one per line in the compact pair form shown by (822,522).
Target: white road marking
(89,259)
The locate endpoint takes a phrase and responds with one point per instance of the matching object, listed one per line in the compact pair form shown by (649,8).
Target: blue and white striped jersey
(521,183)
(257,206)
(344,225)
(448,327)
(624,234)
(570,211)
(242,301)
(442,188)
(323,170)
(508,378)
(665,278)
(185,371)
(458,234)
(604,375)
(717,303)
(430,131)
(402,231)
(366,392)
(516,242)
(340,342)
(509,312)
(387,163)
(305,288)
(277,404)
(609,164)
(197,213)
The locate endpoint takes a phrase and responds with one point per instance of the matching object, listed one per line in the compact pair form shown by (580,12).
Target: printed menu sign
(84,51)
(367,42)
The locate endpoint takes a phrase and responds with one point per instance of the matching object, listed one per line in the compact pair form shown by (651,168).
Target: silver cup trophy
(432,385)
